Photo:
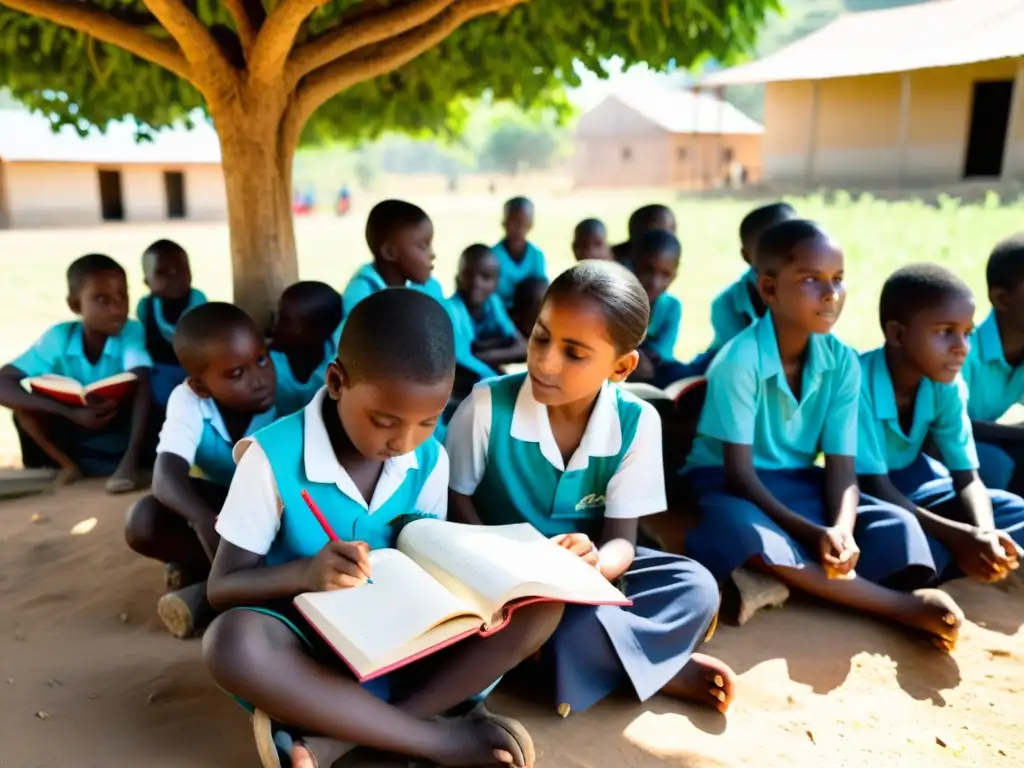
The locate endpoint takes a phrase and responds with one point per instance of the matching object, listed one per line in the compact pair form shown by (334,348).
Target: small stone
(10,681)
(37,518)
(151,698)
(42,714)
(1002,753)
(122,617)
(998,652)
(55,683)
(564,710)
(93,696)
(940,742)
(810,736)
(19,636)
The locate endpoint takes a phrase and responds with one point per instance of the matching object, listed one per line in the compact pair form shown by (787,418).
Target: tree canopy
(523,51)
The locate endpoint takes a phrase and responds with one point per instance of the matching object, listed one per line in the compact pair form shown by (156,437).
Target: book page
(376,621)
(55,383)
(116,381)
(502,563)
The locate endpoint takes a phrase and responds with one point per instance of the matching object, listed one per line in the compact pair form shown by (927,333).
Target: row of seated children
(561,447)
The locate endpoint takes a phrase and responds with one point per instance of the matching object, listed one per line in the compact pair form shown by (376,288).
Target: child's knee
(701,588)
(536,623)
(234,646)
(140,525)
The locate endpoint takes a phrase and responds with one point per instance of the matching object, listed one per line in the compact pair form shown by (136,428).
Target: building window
(681,154)
(728,155)
(627,154)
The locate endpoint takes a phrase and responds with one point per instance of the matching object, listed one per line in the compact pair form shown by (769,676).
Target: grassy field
(877,237)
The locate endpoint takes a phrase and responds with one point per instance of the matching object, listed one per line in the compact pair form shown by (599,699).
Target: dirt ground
(89,678)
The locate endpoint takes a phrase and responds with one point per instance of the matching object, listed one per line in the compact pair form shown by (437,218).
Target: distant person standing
(344,200)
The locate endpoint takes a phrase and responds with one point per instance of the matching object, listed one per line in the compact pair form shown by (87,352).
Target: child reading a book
(912,395)
(401,238)
(779,394)
(590,241)
(994,371)
(308,313)
(518,258)
(363,451)
(563,448)
(102,434)
(485,337)
(644,219)
(229,393)
(168,276)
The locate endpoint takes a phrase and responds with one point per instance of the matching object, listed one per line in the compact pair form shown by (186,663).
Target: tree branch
(105,27)
(385,57)
(212,68)
(275,40)
(366,29)
(249,16)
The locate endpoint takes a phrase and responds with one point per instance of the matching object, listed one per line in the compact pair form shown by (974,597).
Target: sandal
(186,612)
(512,727)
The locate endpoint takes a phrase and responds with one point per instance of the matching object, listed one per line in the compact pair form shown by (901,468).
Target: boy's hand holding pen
(340,564)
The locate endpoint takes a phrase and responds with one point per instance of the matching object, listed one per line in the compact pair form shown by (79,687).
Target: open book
(446,582)
(66,390)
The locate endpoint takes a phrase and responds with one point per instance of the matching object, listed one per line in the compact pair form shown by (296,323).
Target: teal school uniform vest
(520,485)
(213,454)
(300,534)
(293,395)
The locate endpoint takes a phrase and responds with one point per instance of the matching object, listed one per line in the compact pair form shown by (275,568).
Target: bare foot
(67,475)
(704,680)
(935,613)
(485,740)
(124,480)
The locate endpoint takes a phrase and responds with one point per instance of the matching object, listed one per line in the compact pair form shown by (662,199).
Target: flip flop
(186,611)
(512,727)
(263,732)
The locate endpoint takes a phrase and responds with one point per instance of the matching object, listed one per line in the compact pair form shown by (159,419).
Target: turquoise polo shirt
(194,429)
(59,351)
(293,395)
(367,281)
(504,455)
(514,272)
(733,310)
(155,305)
(663,329)
(993,385)
(940,411)
(494,323)
(749,402)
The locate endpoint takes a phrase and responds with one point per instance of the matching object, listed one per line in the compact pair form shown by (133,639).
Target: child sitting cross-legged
(779,393)
(485,337)
(168,276)
(363,451)
(229,393)
(913,400)
(308,313)
(565,449)
(104,437)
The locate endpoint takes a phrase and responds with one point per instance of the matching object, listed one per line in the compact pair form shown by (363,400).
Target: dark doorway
(111,203)
(990,117)
(174,186)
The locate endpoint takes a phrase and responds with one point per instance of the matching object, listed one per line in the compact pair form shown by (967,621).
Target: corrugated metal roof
(26,137)
(679,110)
(940,33)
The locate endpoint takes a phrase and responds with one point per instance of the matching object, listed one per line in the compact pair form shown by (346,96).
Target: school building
(63,179)
(924,94)
(656,136)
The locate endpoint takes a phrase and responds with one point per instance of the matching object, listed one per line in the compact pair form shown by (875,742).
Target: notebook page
(378,619)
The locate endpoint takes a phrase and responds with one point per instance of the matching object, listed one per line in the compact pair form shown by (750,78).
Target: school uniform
(167,373)
(734,309)
(940,414)
(514,272)
(293,395)
(264,512)
(493,323)
(749,402)
(60,351)
(504,456)
(994,386)
(660,343)
(367,281)
(194,429)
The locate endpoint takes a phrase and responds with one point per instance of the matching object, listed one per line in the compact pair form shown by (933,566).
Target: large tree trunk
(257,174)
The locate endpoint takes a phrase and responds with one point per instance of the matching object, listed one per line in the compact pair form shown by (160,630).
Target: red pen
(322,520)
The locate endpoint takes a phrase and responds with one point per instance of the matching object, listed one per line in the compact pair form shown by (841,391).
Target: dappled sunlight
(84,526)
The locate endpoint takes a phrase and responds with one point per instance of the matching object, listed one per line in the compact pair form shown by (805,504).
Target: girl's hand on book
(339,565)
(580,545)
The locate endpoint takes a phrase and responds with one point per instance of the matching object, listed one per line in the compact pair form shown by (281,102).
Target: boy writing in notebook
(994,370)
(912,393)
(518,258)
(308,313)
(103,437)
(363,451)
(168,276)
(229,393)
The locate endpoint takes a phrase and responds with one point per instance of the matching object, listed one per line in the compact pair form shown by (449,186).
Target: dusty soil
(89,678)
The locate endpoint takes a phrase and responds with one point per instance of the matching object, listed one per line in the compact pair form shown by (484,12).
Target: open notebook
(69,391)
(443,583)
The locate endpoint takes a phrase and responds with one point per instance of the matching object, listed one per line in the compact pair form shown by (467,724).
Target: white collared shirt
(251,515)
(637,488)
